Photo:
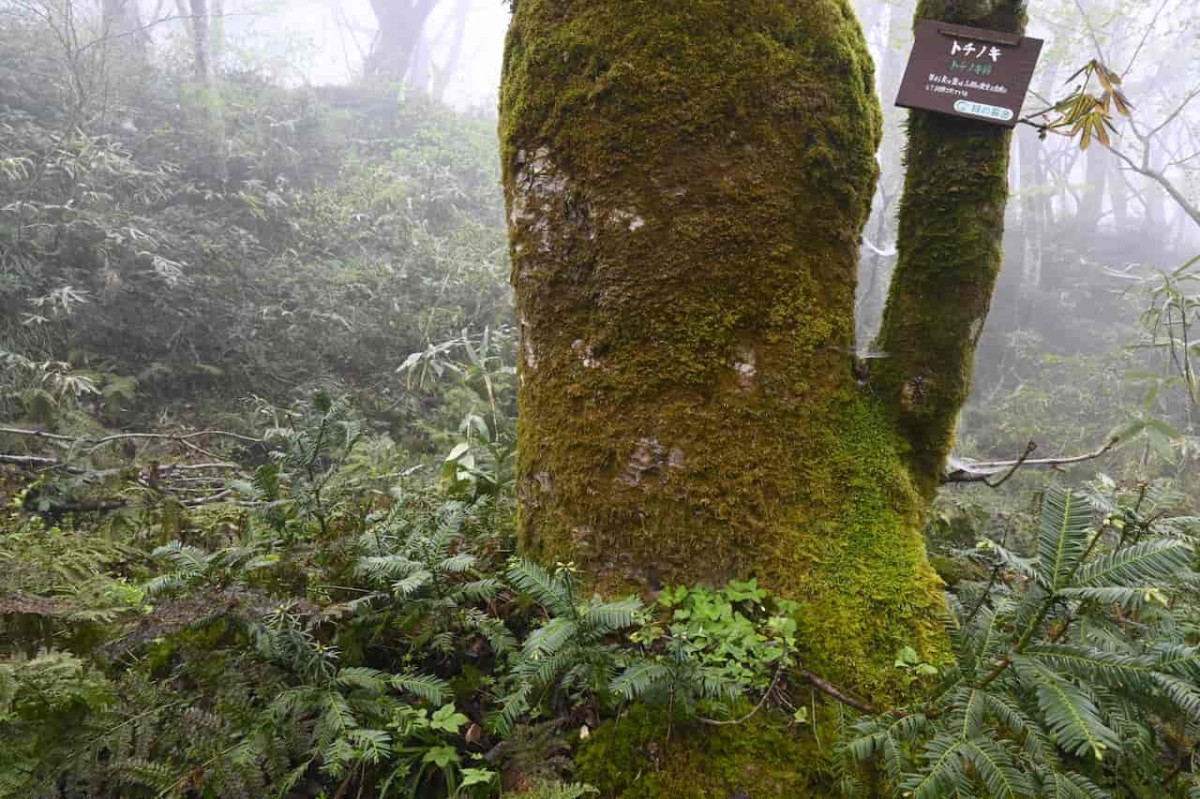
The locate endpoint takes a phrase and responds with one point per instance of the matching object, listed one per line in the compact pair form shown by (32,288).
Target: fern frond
(502,721)
(1071,785)
(1131,597)
(548,639)
(546,670)
(966,712)
(362,678)
(498,636)
(547,591)
(1182,661)
(412,584)
(1064,532)
(1069,712)
(1011,561)
(386,567)
(481,590)
(575,790)
(184,556)
(996,768)
(944,774)
(639,679)
(1153,561)
(423,686)
(458,563)
(602,619)
(1089,663)
(1184,694)
(716,685)
(1021,727)
(167,583)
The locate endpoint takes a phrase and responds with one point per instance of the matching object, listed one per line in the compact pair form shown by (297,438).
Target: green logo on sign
(983,110)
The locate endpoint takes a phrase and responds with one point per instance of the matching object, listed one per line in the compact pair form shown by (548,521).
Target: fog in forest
(269,525)
(1085,228)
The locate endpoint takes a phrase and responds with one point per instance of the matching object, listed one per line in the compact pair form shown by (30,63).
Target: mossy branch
(949,252)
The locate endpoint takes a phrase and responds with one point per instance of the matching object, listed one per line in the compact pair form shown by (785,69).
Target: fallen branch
(29,461)
(41,463)
(108,506)
(96,443)
(831,690)
(967,471)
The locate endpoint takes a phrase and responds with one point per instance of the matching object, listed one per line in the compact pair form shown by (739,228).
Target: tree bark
(686,183)
(950,235)
(686,192)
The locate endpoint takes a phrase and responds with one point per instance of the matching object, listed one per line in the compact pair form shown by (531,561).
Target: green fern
(556,790)
(1064,662)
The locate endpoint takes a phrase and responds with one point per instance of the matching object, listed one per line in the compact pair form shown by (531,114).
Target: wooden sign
(969,72)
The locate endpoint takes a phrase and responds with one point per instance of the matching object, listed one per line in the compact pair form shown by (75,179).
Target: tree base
(645,755)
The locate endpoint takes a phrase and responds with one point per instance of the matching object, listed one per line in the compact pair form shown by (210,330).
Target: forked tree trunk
(400,25)
(687,182)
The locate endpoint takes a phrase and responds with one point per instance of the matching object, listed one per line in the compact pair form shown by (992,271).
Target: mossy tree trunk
(687,182)
(949,243)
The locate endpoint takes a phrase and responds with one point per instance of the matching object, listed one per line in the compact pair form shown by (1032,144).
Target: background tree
(400,25)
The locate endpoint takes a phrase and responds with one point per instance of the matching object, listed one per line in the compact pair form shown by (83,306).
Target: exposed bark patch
(586,354)
(745,365)
(650,460)
(629,219)
(527,347)
(913,393)
(537,186)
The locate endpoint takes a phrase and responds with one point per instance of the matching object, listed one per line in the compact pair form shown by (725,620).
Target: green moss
(949,241)
(686,182)
(640,756)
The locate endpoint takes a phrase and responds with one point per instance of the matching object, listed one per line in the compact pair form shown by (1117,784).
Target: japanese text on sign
(969,72)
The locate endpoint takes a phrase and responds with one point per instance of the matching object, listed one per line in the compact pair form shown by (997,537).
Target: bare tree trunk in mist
(458,34)
(201,43)
(1119,197)
(400,25)
(213,165)
(123,18)
(1091,206)
(426,75)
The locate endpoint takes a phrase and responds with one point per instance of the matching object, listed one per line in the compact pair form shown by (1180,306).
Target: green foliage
(350,225)
(48,704)
(572,650)
(713,647)
(340,614)
(380,636)
(1074,666)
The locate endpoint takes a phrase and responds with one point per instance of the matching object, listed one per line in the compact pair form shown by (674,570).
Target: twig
(829,689)
(960,471)
(1021,461)
(761,704)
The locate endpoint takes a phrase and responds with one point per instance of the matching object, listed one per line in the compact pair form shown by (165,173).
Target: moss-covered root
(641,756)
(951,226)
